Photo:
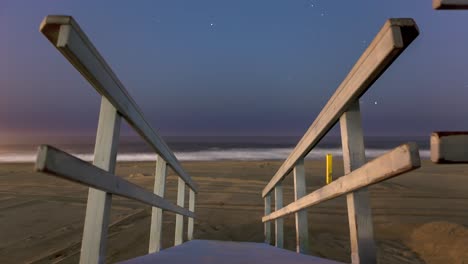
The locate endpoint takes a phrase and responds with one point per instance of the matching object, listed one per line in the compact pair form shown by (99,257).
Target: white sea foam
(212,154)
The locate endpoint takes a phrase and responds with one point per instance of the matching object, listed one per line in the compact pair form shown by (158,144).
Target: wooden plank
(156,213)
(267,225)
(94,241)
(191,220)
(66,35)
(449,147)
(302,227)
(389,43)
(53,161)
(361,230)
(450,4)
(227,252)
(179,225)
(398,161)
(279,239)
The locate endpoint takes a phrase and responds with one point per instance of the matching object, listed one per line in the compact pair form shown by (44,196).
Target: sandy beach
(420,217)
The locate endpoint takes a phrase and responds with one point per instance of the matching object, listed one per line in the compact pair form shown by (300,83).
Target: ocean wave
(211,155)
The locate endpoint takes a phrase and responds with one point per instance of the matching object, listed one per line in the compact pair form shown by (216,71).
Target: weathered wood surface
(302,227)
(398,161)
(66,35)
(94,242)
(361,230)
(389,43)
(279,236)
(450,4)
(449,147)
(156,213)
(53,161)
(267,225)
(226,252)
(190,223)
(179,224)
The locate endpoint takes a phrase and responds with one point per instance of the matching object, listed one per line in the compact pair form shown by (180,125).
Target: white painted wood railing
(343,106)
(66,35)
(450,4)
(449,146)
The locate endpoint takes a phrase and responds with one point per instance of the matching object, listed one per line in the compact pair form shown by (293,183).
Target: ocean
(214,148)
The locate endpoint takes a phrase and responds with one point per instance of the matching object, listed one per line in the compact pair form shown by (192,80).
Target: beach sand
(419,217)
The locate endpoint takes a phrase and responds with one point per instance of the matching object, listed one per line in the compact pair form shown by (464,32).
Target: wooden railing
(343,106)
(449,146)
(450,4)
(65,34)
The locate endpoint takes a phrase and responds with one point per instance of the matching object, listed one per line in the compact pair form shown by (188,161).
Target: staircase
(395,36)
(214,252)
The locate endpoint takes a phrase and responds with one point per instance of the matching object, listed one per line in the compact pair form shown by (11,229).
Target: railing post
(93,246)
(302,227)
(359,210)
(190,219)
(179,225)
(279,241)
(156,213)
(267,224)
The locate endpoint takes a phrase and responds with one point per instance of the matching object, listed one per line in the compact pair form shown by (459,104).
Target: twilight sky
(263,67)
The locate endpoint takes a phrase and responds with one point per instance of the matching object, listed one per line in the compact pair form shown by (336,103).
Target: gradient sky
(263,67)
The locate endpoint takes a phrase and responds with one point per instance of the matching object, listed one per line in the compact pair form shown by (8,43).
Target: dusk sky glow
(232,67)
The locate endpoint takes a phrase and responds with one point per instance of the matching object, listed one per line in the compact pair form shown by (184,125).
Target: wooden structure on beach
(343,107)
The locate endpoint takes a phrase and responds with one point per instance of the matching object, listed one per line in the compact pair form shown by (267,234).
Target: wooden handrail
(449,147)
(450,4)
(66,35)
(392,39)
(53,161)
(398,161)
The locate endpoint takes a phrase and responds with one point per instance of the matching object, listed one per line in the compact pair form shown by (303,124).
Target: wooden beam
(94,241)
(302,227)
(449,147)
(190,219)
(361,228)
(279,236)
(53,161)
(389,43)
(66,35)
(450,4)
(402,159)
(267,225)
(156,213)
(179,225)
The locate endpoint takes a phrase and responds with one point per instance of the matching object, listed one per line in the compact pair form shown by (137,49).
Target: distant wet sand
(420,217)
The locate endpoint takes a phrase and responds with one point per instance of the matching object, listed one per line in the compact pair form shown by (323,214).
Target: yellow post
(329,168)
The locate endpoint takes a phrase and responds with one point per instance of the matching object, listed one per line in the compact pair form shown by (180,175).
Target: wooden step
(226,252)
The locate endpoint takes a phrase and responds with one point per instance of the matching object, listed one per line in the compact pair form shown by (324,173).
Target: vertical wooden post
(190,219)
(179,225)
(156,213)
(268,224)
(279,222)
(302,227)
(93,246)
(359,210)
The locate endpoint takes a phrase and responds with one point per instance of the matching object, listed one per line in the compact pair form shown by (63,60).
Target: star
(375,102)
(211,24)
